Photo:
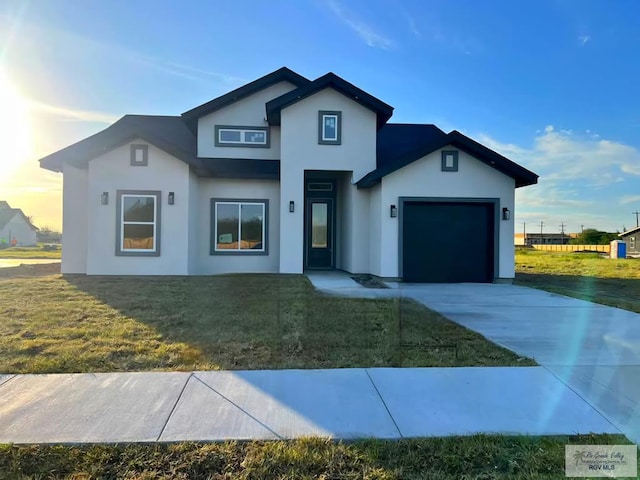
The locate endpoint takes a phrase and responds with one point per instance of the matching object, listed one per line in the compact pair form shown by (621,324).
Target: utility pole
(636,213)
(541,237)
(524,233)
(562,225)
(581,228)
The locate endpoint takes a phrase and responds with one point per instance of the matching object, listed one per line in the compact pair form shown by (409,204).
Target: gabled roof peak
(329,80)
(283,74)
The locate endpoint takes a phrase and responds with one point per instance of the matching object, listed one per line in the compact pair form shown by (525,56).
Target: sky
(551,84)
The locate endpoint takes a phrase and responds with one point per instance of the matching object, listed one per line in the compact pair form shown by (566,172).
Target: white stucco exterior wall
(354,209)
(249,111)
(75,184)
(424,178)
(111,172)
(236,189)
(194,222)
(19,230)
(375,233)
(300,151)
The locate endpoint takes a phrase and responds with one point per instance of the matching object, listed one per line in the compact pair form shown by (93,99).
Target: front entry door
(319,242)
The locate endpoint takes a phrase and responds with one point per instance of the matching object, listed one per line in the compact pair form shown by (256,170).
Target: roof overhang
(382,110)
(281,75)
(629,232)
(125,130)
(248,168)
(521,175)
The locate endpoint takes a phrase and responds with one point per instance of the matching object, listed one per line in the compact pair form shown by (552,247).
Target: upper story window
(329,127)
(139,155)
(233,136)
(449,161)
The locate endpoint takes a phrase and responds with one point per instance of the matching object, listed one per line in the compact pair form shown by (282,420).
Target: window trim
(265,227)
(454,168)
(122,252)
(243,130)
(145,155)
(322,140)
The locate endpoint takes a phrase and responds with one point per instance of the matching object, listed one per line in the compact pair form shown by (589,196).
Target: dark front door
(448,242)
(319,241)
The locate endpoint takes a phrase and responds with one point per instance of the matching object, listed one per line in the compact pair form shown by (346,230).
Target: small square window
(449,160)
(139,155)
(329,128)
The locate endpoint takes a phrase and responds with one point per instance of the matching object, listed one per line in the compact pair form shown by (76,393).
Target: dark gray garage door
(447,242)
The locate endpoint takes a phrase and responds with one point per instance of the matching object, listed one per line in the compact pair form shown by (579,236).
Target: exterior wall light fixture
(506,214)
(171,198)
(292,206)
(104,198)
(393,211)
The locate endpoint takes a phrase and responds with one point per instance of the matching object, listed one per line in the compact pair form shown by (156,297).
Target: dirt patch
(369,281)
(38,270)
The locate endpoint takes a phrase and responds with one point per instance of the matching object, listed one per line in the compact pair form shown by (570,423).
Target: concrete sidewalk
(267,404)
(594,349)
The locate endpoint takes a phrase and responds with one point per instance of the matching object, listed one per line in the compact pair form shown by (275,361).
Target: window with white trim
(230,136)
(239,226)
(138,223)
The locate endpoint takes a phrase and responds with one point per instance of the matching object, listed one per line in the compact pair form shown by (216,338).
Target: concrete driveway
(593,349)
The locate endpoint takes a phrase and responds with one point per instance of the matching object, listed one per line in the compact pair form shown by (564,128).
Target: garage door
(448,242)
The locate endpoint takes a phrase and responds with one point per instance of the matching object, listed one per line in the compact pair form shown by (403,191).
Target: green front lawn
(475,457)
(53,323)
(614,282)
(32,253)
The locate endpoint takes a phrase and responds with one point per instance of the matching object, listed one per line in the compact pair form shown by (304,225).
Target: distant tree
(592,236)
(48,235)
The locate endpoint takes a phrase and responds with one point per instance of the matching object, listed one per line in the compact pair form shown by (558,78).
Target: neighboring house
(15,227)
(529,239)
(632,239)
(282,175)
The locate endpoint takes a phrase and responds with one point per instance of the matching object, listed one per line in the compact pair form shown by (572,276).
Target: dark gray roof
(397,144)
(397,140)
(330,80)
(629,232)
(241,168)
(167,133)
(393,155)
(6,214)
(281,75)
(4,205)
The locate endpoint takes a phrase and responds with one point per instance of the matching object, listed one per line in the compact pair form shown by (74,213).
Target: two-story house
(282,175)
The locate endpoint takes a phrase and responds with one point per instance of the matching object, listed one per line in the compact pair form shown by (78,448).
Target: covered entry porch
(330,237)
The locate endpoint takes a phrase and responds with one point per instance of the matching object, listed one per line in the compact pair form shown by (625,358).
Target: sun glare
(14,128)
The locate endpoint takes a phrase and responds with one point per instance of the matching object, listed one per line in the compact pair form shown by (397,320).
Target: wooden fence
(573,248)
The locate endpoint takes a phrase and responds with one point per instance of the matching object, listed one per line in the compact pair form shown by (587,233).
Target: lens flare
(14,127)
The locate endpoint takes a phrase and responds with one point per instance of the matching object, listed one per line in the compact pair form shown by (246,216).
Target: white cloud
(630,199)
(584,39)
(413,28)
(582,178)
(364,31)
(73,114)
